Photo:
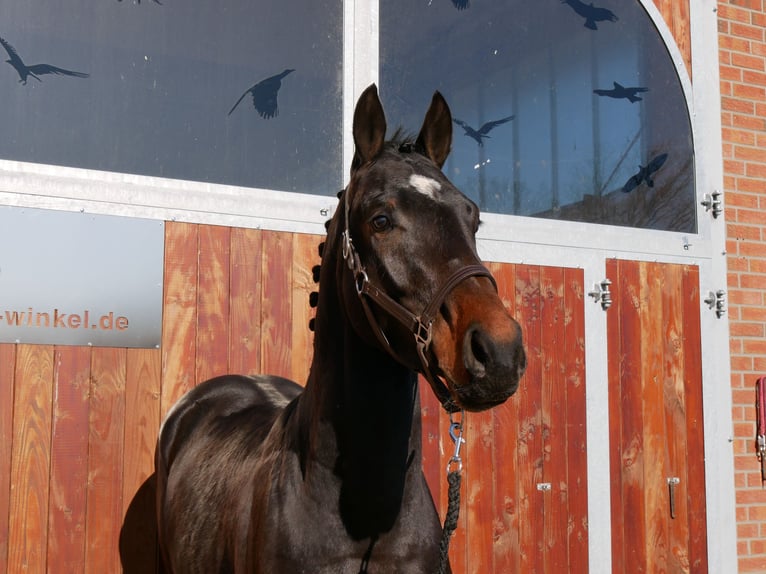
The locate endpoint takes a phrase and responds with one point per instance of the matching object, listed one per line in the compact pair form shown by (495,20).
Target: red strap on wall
(760,411)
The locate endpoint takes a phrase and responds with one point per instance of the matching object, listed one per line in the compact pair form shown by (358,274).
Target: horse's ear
(435,137)
(369,126)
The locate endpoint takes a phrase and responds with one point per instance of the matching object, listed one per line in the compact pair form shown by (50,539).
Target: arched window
(563,110)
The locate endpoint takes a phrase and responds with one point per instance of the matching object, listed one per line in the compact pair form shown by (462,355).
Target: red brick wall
(742,44)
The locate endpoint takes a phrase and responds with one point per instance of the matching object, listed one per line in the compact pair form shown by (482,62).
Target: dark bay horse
(257,475)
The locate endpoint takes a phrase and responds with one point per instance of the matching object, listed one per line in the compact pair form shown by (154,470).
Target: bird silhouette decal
(591,13)
(620,91)
(480,134)
(34,70)
(264,95)
(645,173)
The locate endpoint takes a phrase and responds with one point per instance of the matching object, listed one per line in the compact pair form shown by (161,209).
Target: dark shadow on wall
(139,553)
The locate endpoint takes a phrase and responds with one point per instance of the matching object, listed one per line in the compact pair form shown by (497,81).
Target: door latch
(673,481)
(602,294)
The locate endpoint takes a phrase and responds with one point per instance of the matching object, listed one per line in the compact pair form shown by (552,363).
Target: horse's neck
(361,418)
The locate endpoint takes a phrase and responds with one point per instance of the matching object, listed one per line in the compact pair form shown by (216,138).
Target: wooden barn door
(524,498)
(655,403)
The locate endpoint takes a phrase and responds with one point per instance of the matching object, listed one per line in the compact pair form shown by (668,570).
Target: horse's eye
(381,223)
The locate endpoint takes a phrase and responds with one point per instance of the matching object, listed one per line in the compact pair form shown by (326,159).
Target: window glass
(563,109)
(150,88)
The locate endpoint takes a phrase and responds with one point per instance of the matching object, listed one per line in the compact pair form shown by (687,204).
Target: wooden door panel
(655,389)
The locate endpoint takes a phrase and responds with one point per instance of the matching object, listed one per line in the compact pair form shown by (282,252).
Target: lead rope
(454,476)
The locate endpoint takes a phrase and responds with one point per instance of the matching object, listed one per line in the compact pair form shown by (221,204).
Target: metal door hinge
(712,203)
(602,294)
(716,300)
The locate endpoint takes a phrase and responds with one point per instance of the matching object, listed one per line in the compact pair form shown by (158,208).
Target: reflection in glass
(162,81)
(600,130)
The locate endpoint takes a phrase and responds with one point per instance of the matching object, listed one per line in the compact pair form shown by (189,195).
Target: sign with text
(80,279)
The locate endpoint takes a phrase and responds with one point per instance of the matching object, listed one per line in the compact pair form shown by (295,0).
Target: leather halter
(421,326)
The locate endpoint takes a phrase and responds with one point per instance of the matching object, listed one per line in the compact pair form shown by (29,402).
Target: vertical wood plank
(179,317)
(530,447)
(632,459)
(480,496)
(652,411)
(138,538)
(245,301)
(7,372)
(675,13)
(506,549)
(69,462)
(105,461)
(675,412)
(614,367)
(30,460)
(212,357)
(576,446)
(554,437)
(276,309)
(429,412)
(305,257)
(698,560)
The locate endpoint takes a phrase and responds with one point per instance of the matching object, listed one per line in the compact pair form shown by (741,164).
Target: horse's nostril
(475,353)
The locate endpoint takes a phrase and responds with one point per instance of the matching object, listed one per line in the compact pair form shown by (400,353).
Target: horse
(256,474)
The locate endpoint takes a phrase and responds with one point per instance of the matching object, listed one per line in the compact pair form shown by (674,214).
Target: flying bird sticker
(34,70)
(591,13)
(264,95)
(645,173)
(480,134)
(621,92)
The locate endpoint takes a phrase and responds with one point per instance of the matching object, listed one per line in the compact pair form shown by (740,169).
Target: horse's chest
(306,534)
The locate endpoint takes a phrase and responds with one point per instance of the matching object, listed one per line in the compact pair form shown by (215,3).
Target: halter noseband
(421,326)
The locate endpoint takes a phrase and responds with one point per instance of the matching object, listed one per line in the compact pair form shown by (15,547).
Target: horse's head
(409,245)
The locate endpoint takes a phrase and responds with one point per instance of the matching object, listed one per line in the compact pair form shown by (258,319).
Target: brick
(733,13)
(741,329)
(753,78)
(753,313)
(732,43)
(754,347)
(749,153)
(747,61)
(753,496)
(757,170)
(743,137)
(749,4)
(749,216)
(738,231)
(749,92)
(747,121)
(741,30)
(756,512)
(736,199)
(755,564)
(737,105)
(752,281)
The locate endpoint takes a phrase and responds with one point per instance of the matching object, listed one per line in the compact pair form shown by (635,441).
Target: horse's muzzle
(494,367)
